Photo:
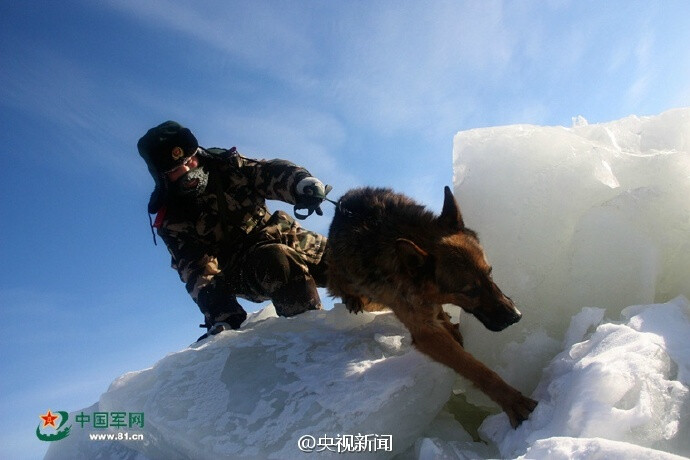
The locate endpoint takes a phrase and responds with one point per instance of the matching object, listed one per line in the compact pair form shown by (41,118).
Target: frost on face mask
(192,184)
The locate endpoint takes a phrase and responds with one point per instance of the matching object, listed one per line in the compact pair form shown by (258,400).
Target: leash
(339,206)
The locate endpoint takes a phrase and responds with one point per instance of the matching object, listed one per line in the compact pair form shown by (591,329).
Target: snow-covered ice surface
(253,393)
(619,390)
(627,382)
(579,223)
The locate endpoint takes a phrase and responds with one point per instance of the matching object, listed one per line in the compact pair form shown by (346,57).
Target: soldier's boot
(223,312)
(213,330)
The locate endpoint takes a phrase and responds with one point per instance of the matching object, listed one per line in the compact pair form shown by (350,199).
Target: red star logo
(48,419)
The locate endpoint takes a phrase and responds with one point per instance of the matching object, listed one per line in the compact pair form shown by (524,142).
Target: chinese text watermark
(346,443)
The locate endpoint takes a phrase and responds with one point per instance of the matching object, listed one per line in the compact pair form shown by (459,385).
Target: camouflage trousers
(284,263)
(277,272)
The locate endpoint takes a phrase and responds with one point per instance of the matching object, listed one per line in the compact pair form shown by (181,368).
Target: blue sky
(358,92)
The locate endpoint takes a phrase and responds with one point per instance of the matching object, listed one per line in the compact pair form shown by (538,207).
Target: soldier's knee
(271,266)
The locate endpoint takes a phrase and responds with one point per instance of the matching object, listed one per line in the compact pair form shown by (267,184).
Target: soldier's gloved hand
(310,194)
(312,187)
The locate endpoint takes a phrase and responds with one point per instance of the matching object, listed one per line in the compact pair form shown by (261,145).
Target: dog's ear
(413,258)
(450,216)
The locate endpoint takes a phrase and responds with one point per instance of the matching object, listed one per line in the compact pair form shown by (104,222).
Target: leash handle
(311,208)
(310,211)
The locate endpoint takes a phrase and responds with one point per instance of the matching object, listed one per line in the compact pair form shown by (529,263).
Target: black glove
(310,194)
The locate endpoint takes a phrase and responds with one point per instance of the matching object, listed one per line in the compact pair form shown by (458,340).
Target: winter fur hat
(164,148)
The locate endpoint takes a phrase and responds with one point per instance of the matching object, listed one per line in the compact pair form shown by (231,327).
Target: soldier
(211,213)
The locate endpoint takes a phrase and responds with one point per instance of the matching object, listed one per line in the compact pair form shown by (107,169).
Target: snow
(254,392)
(588,231)
(592,449)
(626,383)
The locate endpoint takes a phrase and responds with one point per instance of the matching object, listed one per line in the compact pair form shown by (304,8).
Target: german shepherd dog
(385,250)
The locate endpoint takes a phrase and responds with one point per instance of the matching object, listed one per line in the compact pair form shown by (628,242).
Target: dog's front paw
(519,409)
(354,305)
(457,335)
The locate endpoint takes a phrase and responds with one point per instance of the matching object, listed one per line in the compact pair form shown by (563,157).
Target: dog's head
(454,270)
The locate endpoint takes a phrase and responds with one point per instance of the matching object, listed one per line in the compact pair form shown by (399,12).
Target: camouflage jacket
(206,244)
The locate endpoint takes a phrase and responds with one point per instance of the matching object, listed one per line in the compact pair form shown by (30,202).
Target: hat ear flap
(158,196)
(145,147)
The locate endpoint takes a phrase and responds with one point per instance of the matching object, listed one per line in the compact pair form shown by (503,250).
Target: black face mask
(191,185)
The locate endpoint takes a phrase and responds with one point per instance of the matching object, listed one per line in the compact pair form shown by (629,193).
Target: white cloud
(409,67)
(619,56)
(90,119)
(683,98)
(644,50)
(427,68)
(259,35)
(644,72)
(530,113)
(385,66)
(42,84)
(306,136)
